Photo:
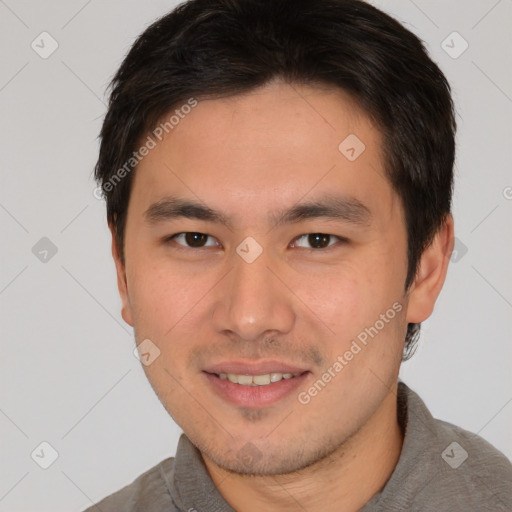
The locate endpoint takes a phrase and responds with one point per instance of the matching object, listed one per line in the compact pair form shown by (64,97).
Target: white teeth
(274,377)
(256,380)
(261,380)
(245,380)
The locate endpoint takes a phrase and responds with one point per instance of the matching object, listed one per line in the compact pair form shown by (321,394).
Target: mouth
(254,386)
(257,380)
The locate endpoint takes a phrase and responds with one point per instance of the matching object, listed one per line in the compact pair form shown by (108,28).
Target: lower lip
(254,396)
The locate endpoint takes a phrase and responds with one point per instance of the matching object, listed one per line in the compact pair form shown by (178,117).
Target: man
(278,178)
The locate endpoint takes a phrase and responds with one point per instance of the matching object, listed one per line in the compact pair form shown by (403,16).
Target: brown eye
(317,240)
(193,240)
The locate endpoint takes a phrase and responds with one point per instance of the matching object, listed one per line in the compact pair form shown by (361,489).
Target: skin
(247,156)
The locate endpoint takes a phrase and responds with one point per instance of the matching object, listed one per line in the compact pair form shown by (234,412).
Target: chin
(261,458)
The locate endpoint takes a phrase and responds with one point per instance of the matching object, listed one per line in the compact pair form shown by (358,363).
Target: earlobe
(431,274)
(126,311)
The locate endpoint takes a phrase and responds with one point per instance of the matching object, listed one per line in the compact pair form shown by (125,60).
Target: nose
(253,301)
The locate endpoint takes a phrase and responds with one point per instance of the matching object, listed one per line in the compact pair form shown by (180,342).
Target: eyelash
(172,238)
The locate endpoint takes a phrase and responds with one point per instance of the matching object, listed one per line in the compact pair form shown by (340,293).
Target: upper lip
(254,368)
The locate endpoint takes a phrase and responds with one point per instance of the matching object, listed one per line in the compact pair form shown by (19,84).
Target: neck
(343,482)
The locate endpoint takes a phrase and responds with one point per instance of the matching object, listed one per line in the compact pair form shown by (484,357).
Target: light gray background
(68,374)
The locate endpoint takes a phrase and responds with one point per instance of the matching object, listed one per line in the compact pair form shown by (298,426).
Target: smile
(255,391)
(256,380)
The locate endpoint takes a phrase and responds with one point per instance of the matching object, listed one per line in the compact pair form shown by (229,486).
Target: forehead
(272,146)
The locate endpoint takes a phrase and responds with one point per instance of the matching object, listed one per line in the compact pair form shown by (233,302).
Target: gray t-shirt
(442,468)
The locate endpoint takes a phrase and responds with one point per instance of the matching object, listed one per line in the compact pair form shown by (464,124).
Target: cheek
(332,300)
(165,304)
(160,297)
(352,298)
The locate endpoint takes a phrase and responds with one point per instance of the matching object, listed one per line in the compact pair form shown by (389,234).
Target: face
(257,246)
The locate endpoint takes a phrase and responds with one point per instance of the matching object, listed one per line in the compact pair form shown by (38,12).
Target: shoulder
(473,462)
(148,493)
(442,467)
(449,468)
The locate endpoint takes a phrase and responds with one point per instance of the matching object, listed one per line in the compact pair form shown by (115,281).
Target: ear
(126,309)
(431,274)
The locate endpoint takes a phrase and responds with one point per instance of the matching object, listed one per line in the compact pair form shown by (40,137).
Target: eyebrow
(338,208)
